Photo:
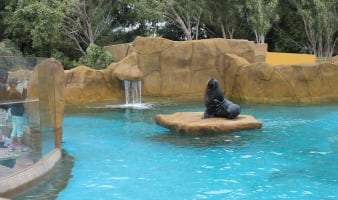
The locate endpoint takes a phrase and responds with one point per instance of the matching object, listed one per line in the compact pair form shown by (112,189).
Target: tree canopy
(66,28)
(33,25)
(320,19)
(261,14)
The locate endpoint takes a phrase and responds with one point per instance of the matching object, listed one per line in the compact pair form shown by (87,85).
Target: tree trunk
(176,18)
(223,31)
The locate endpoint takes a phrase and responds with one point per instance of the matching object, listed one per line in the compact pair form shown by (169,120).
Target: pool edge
(26,177)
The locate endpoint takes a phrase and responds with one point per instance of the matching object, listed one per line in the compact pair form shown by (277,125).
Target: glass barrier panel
(27,111)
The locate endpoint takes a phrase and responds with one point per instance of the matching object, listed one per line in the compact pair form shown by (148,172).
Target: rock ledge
(192,124)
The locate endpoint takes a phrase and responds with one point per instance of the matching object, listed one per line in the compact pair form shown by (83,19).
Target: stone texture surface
(192,124)
(260,52)
(299,83)
(86,85)
(166,68)
(128,69)
(119,51)
(335,59)
(180,70)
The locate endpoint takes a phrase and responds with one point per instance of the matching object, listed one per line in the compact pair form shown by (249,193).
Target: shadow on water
(231,139)
(51,184)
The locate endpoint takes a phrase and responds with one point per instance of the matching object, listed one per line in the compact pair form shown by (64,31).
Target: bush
(8,48)
(96,57)
(66,61)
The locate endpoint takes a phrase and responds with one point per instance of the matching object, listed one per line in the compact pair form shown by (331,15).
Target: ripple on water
(246,156)
(119,178)
(224,191)
(292,156)
(106,186)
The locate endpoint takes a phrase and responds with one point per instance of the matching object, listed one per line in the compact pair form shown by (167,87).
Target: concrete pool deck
(23,160)
(26,172)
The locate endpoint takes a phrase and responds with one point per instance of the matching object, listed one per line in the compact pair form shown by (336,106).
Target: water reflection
(229,139)
(52,184)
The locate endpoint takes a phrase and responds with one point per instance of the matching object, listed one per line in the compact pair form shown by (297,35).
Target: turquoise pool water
(120,153)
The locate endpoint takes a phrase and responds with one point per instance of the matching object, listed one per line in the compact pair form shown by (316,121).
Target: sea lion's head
(212,83)
(213,90)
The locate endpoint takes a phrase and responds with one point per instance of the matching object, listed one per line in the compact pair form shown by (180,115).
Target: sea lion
(216,104)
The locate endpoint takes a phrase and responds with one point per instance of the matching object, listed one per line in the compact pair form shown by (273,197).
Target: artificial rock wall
(180,70)
(167,69)
(298,83)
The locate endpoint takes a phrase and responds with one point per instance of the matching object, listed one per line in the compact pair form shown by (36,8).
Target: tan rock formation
(335,59)
(172,68)
(119,51)
(302,83)
(180,70)
(192,124)
(85,85)
(127,69)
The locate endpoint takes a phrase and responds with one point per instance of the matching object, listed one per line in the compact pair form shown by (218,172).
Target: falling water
(132,91)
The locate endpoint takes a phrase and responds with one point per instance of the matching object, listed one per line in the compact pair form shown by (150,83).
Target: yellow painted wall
(274,58)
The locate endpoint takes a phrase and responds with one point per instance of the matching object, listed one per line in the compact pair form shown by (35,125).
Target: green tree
(186,15)
(96,57)
(132,18)
(8,48)
(261,15)
(34,25)
(87,21)
(287,35)
(225,14)
(320,21)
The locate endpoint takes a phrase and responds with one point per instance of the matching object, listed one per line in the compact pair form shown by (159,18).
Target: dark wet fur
(216,104)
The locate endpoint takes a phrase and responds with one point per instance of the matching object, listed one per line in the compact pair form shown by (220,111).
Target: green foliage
(86,21)
(133,18)
(146,10)
(225,15)
(35,25)
(66,61)
(186,15)
(96,57)
(8,48)
(172,32)
(261,15)
(287,35)
(37,28)
(320,20)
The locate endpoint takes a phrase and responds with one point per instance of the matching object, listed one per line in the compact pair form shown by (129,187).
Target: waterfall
(132,91)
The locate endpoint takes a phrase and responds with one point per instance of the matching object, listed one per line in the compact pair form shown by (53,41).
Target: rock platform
(192,124)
